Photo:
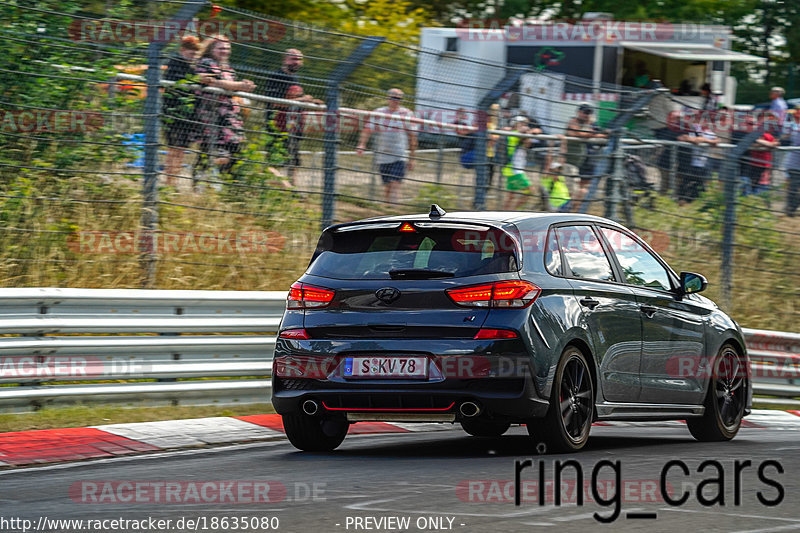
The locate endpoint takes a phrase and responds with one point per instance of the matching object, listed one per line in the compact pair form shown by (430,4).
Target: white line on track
(795,521)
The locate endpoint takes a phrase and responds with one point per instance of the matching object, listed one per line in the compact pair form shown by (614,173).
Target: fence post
(152,108)
(731,180)
(331,138)
(439,157)
(612,151)
(615,178)
(152,126)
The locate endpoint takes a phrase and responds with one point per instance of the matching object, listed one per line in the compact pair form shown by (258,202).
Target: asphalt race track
(435,481)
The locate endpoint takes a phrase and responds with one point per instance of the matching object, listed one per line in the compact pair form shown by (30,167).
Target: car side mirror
(691,283)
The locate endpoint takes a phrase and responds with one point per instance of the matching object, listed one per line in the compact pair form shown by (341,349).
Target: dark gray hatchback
(490,319)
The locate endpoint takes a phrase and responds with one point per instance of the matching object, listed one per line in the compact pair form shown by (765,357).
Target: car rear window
(419,254)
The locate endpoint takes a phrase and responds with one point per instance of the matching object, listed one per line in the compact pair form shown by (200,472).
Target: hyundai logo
(387,294)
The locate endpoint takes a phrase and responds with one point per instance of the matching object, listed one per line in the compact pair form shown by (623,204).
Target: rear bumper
(514,399)
(495,375)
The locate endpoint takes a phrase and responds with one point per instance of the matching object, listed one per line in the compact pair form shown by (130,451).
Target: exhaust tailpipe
(310,407)
(469,409)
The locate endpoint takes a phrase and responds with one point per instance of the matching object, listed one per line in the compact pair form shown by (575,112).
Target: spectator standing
(287,120)
(466,134)
(778,106)
(710,100)
(179,106)
(222,127)
(554,184)
(692,182)
(580,153)
(515,167)
(492,123)
(395,132)
(755,165)
(792,162)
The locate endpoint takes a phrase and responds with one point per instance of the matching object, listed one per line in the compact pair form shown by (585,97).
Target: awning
(690,52)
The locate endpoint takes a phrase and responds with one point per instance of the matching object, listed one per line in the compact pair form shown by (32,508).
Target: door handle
(591,303)
(648,310)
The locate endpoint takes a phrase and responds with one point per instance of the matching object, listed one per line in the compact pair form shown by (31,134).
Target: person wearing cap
(579,153)
(516,162)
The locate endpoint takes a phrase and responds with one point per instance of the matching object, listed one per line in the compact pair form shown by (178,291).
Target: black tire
(313,434)
(566,426)
(726,398)
(481,427)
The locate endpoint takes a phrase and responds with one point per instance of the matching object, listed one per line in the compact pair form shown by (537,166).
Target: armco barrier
(775,364)
(159,336)
(72,342)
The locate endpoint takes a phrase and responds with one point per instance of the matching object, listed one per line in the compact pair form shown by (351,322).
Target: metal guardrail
(775,365)
(74,341)
(184,343)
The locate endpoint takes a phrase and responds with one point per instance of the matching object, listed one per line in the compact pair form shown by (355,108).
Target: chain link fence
(132,157)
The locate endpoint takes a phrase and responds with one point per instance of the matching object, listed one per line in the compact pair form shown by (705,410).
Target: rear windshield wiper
(419,273)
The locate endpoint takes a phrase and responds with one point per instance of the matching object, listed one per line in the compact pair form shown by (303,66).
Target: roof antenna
(436,211)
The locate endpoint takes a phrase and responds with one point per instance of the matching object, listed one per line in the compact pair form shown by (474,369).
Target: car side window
(639,266)
(584,254)
(552,256)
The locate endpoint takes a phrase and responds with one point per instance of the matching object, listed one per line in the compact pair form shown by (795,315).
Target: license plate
(386,367)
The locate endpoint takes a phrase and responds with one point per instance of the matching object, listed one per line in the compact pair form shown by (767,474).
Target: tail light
(514,294)
(487,334)
(294,334)
(304,296)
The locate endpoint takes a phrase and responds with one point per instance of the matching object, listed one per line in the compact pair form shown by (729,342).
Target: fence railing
(226,334)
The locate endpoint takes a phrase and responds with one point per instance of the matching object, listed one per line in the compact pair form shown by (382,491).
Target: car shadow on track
(458,446)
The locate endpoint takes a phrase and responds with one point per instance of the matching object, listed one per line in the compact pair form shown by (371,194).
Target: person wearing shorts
(514,171)
(395,132)
(178,107)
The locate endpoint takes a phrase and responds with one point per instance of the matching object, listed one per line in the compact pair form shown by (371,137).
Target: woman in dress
(222,129)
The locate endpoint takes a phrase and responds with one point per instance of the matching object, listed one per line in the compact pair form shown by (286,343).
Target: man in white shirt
(778,105)
(395,132)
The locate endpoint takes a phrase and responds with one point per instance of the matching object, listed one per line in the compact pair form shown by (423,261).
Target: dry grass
(35,249)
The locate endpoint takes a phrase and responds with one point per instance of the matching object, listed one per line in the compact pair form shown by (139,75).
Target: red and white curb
(73,444)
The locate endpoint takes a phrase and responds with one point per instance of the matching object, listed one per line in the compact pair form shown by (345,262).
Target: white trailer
(578,65)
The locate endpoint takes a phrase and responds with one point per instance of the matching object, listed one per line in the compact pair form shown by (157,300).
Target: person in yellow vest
(554,185)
